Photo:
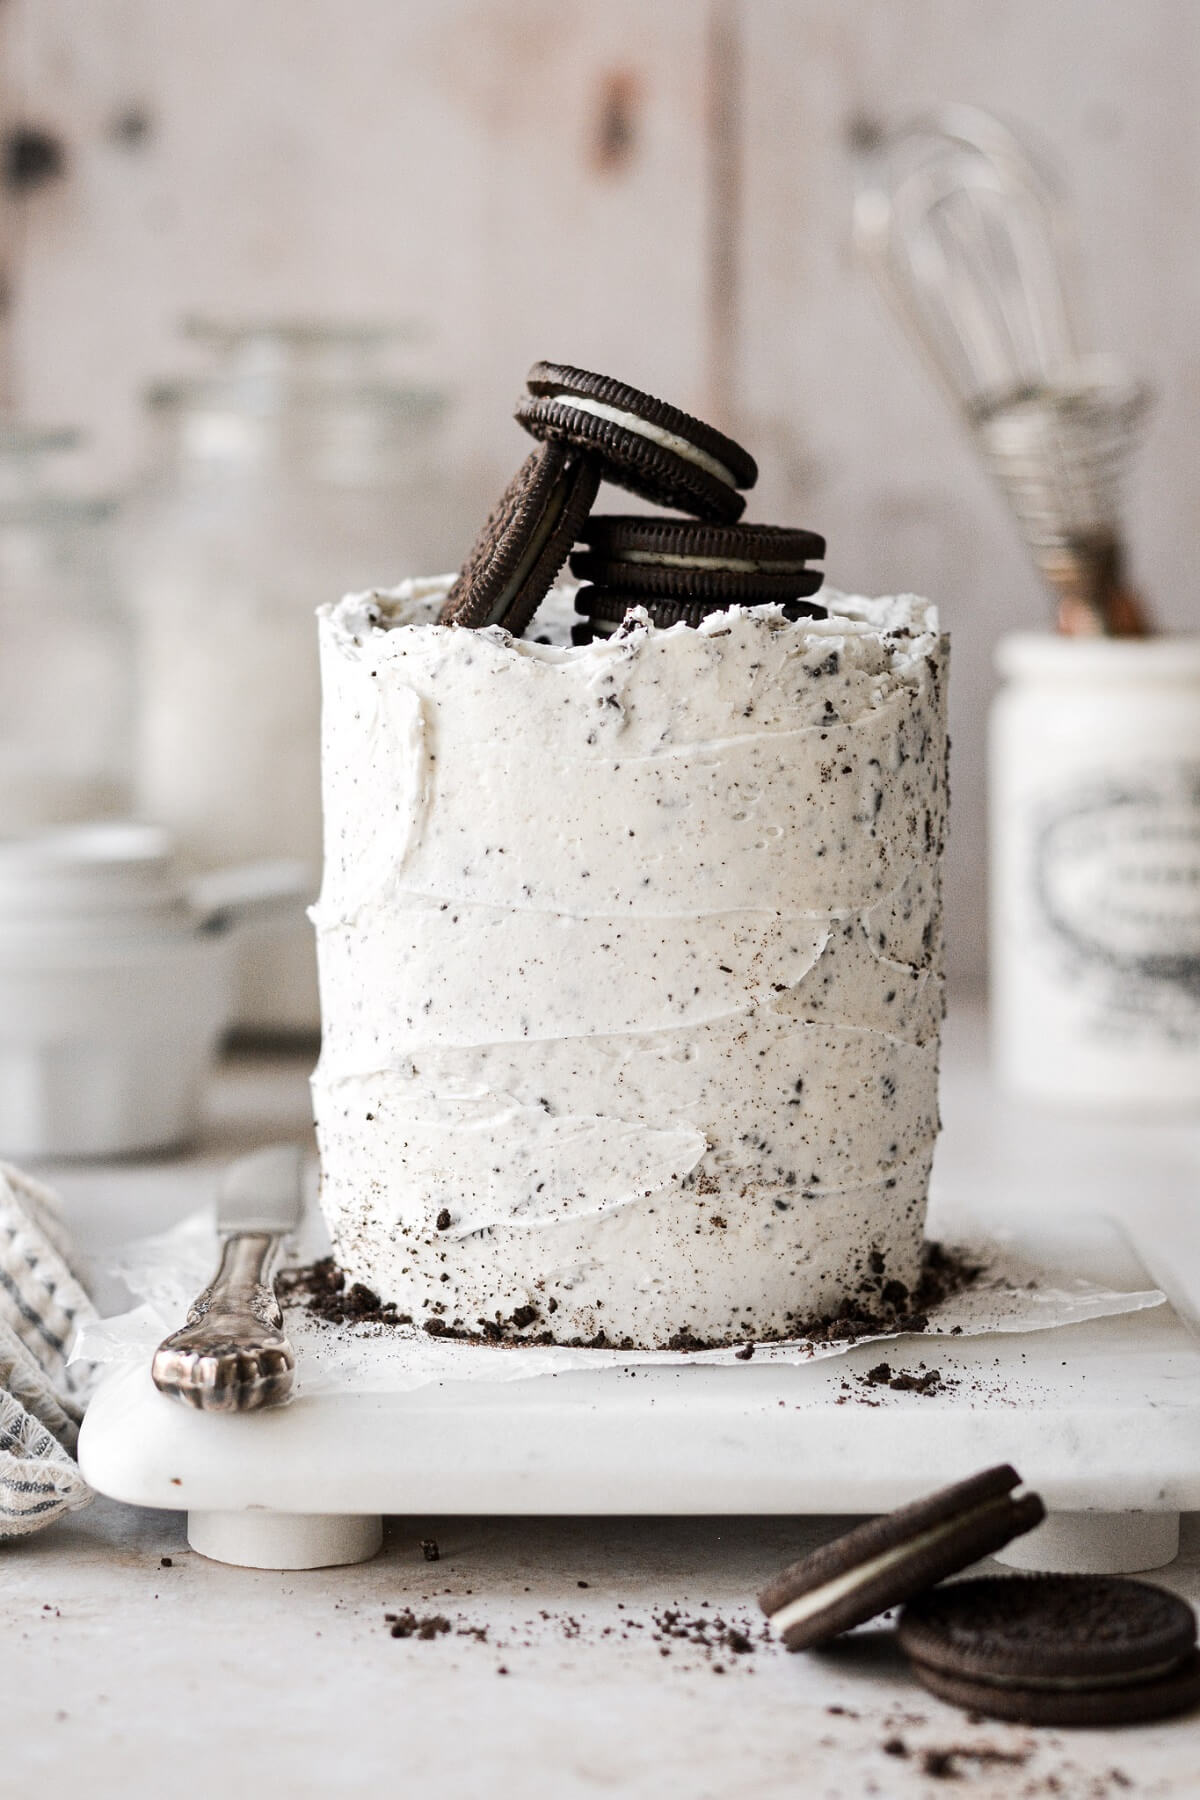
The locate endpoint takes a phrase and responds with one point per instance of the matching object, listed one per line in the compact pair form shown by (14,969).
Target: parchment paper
(166,1272)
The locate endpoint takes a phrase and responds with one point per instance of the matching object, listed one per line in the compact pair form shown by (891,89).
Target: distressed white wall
(660,188)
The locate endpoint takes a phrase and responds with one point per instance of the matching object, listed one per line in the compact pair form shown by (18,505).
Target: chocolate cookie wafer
(644,444)
(525,540)
(890,1559)
(679,558)
(1056,1649)
(605,608)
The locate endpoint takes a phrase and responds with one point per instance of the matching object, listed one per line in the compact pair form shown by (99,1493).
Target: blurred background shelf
(665,192)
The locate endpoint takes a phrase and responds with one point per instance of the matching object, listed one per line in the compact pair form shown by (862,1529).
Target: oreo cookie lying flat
(525,541)
(643,444)
(731,564)
(605,608)
(889,1559)
(1056,1649)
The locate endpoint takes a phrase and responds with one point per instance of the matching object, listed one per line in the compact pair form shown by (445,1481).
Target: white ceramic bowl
(116,985)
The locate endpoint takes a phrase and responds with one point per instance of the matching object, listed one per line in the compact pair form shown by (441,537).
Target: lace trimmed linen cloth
(43,1305)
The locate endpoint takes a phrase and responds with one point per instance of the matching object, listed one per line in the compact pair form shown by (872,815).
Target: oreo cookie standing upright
(524,541)
(644,444)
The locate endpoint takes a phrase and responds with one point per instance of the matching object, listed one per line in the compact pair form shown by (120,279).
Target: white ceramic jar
(1095,876)
(116,984)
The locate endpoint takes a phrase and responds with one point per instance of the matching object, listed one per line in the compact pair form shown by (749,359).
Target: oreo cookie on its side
(644,444)
(1056,1649)
(889,1559)
(524,541)
(736,564)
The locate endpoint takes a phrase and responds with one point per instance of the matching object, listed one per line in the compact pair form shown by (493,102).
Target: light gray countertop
(126,1678)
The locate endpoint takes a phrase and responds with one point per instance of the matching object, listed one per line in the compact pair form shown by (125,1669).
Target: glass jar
(66,698)
(293,472)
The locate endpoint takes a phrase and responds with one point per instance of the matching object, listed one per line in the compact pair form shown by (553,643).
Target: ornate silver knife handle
(232,1355)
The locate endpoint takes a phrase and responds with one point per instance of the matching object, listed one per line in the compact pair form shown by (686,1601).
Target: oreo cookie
(605,608)
(1056,1649)
(678,558)
(889,1559)
(654,449)
(525,540)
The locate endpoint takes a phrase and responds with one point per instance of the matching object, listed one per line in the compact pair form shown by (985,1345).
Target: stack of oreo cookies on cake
(591,428)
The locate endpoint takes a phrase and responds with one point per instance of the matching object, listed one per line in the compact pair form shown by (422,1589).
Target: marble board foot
(261,1539)
(1097,1543)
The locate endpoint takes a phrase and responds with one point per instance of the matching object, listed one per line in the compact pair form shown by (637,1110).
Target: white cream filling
(735,565)
(657,434)
(807,1606)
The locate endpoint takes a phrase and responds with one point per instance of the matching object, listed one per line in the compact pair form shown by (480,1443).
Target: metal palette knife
(232,1355)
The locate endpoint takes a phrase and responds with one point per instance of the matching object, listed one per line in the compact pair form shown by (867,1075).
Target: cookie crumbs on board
(881,1305)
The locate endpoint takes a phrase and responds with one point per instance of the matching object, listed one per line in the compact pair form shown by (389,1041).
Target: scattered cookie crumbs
(956,1761)
(406,1624)
(886,1305)
(721,1644)
(165,1562)
(704,1634)
(321,1287)
(921,1380)
(942,1761)
(881,1305)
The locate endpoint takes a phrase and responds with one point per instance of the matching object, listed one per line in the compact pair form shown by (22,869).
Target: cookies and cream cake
(630,958)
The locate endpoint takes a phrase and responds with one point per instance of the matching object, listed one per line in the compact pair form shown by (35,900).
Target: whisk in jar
(966,235)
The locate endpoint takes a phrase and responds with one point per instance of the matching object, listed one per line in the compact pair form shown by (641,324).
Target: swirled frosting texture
(630,964)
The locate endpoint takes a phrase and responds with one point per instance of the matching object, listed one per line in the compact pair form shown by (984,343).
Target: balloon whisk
(966,235)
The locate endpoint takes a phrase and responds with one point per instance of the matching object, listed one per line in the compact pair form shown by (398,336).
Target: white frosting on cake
(630,963)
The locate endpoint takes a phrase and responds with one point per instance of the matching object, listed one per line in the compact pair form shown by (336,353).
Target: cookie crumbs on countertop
(720,1644)
(406,1624)
(942,1761)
